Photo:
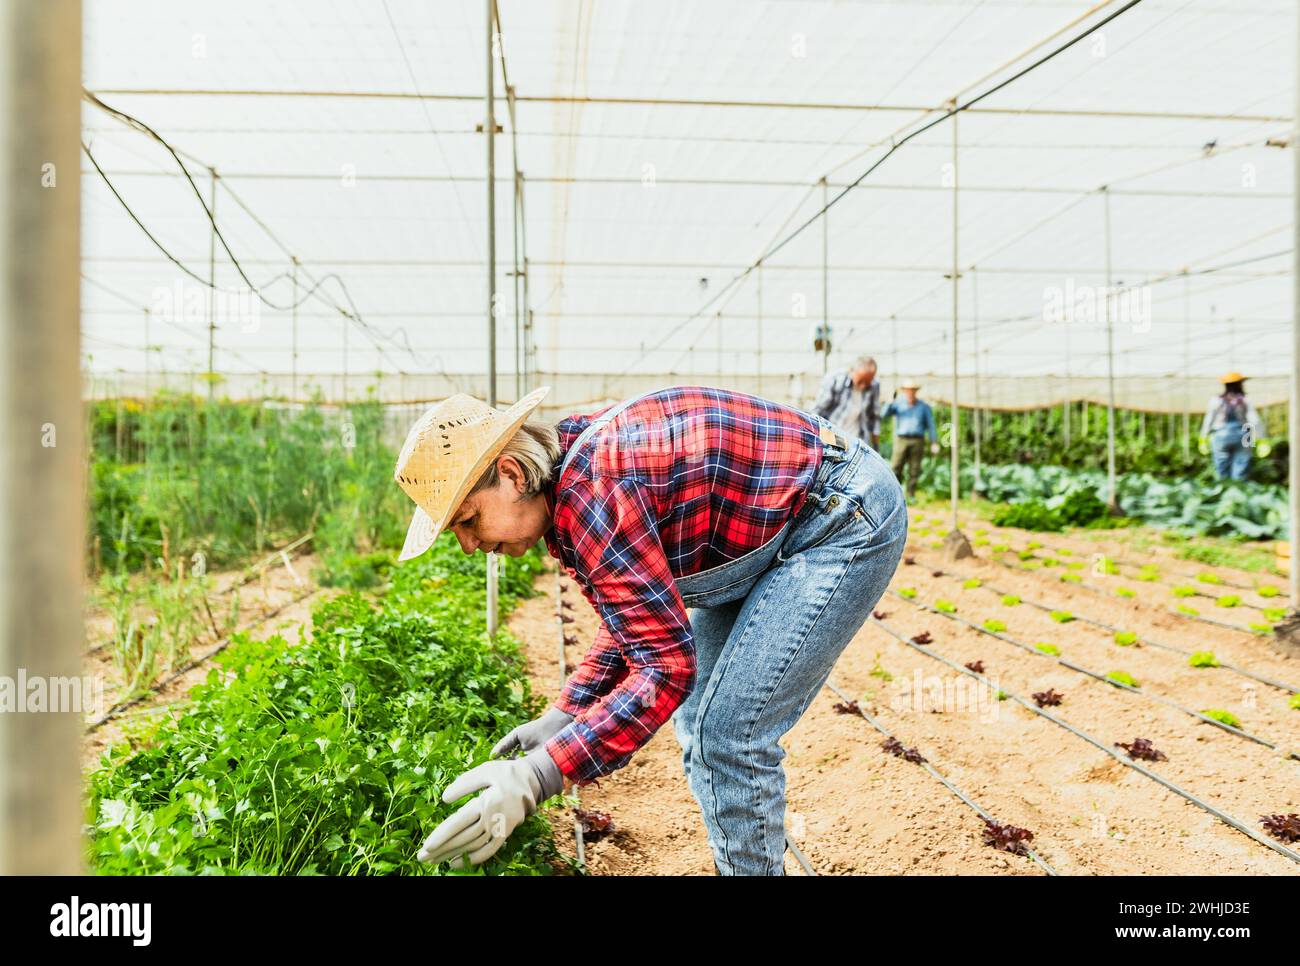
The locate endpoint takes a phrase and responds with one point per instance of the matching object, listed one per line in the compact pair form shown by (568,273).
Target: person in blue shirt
(913,422)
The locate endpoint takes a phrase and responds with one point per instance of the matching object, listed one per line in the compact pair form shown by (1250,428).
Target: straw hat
(1231,377)
(909,384)
(446,451)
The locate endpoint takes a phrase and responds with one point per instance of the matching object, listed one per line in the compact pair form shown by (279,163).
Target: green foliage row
(234,479)
(329,757)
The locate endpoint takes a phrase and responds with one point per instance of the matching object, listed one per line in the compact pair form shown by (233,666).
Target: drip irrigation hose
(1128,763)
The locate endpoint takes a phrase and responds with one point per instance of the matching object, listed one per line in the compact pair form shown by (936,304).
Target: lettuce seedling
(1048,697)
(1223,717)
(1062,616)
(1071,579)
(907,593)
(1010,600)
(996,626)
(1209,577)
(1006,837)
(1284,828)
(1202,659)
(978,668)
(945,606)
(895,748)
(1142,748)
(1000,548)
(972,583)
(1125,638)
(1228,600)
(1267,590)
(1189,611)
(1123,677)
(1046,648)
(1184,591)
(1125,592)
(1293,702)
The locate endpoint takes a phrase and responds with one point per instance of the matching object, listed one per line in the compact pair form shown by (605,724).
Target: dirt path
(854,809)
(288,595)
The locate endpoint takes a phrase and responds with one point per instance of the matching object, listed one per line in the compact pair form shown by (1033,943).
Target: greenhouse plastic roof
(665,147)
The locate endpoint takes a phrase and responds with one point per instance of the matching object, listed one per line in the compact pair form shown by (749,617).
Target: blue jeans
(1231,458)
(762,657)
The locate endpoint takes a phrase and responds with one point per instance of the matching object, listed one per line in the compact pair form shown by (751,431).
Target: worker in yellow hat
(1233,429)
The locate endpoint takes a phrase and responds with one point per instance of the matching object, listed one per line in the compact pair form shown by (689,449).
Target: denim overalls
(768,627)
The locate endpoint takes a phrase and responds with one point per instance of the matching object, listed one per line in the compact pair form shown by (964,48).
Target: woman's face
(500,518)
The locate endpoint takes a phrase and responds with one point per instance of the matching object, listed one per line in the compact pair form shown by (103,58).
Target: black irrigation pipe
(1142,639)
(799,856)
(1221,815)
(121,706)
(1102,678)
(936,774)
(579,843)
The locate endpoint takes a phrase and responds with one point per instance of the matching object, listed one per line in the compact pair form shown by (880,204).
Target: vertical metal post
(975,332)
(1294,414)
(212,283)
(1069,400)
(146,355)
(42,436)
(519,393)
(293,381)
(489,129)
(1110,367)
(759,338)
(826,286)
(954,444)
(1187,368)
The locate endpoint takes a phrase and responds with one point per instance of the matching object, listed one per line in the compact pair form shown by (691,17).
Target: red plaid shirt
(683,480)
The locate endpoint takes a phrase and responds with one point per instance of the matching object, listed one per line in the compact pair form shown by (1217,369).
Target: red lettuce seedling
(937,573)
(1044,698)
(909,561)
(895,748)
(1142,748)
(1285,828)
(1006,837)
(847,707)
(570,639)
(595,825)
(923,638)
(566,618)
(566,605)
(879,615)
(976,666)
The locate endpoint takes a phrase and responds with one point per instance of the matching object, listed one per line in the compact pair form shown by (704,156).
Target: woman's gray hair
(536,445)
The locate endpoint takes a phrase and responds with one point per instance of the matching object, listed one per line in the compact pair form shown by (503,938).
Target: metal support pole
(1294,414)
(489,129)
(826,286)
(759,335)
(1187,367)
(212,282)
(954,442)
(1110,368)
(519,375)
(293,382)
(42,436)
(975,331)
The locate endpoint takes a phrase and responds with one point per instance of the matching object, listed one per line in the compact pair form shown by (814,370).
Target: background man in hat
(732,547)
(850,398)
(1234,429)
(913,422)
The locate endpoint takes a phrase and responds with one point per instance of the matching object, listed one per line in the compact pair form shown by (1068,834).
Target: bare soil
(853,809)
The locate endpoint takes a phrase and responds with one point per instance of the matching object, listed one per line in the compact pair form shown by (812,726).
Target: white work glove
(512,790)
(934,449)
(534,734)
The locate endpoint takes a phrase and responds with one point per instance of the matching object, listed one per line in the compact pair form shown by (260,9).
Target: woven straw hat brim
(446,451)
(1231,377)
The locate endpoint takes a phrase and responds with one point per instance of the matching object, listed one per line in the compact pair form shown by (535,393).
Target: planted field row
(328,755)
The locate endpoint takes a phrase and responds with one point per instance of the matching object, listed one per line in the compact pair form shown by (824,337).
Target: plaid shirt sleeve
(600,672)
(625,575)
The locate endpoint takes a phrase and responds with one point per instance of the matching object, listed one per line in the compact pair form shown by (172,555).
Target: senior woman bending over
(731,545)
